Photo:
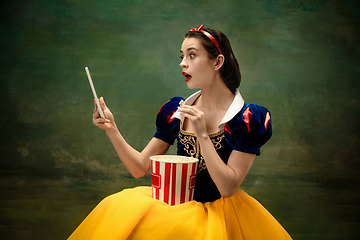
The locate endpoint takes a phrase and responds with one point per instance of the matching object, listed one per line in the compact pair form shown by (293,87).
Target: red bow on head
(199,29)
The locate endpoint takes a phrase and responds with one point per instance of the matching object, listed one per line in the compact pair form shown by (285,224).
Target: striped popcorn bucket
(173,178)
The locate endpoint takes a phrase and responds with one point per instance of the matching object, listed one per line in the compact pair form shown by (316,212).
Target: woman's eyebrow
(190,48)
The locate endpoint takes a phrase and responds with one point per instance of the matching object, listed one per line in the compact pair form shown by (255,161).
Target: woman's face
(196,65)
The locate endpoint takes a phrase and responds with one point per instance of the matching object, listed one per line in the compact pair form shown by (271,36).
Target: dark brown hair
(230,71)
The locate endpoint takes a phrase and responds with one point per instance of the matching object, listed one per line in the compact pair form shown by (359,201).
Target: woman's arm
(137,163)
(227,177)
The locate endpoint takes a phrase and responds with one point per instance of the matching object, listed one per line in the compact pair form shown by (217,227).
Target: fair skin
(202,118)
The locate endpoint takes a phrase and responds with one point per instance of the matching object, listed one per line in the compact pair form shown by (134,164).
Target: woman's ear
(219,61)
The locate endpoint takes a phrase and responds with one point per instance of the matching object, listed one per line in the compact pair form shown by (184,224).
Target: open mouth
(187,76)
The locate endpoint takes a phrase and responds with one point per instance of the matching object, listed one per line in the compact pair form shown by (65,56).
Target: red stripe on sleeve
(247,117)
(267,120)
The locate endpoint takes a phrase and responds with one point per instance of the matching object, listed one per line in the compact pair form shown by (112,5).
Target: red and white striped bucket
(173,178)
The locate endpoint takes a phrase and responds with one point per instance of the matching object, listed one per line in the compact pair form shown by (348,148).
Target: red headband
(199,29)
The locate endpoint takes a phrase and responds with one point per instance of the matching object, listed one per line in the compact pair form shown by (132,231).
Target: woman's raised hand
(104,124)
(196,118)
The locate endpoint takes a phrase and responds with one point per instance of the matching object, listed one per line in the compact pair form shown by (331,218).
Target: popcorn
(178,160)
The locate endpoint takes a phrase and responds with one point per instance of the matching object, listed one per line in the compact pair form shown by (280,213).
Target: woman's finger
(189,116)
(191,111)
(188,107)
(98,121)
(96,114)
(103,105)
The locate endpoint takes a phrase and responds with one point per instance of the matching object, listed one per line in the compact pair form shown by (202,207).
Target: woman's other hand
(105,124)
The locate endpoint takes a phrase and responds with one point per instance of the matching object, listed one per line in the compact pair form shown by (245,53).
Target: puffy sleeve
(249,129)
(167,128)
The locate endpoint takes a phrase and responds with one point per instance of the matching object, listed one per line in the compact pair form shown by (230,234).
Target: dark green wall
(300,59)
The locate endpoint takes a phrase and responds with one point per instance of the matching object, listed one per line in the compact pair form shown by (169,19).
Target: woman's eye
(192,55)
(181,57)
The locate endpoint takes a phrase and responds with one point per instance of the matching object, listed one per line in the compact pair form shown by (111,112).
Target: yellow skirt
(134,214)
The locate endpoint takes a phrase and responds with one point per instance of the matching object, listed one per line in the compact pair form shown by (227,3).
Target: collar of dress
(234,108)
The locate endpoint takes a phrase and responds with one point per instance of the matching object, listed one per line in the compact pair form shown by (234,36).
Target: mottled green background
(298,58)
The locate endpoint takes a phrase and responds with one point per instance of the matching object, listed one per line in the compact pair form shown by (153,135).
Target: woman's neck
(216,96)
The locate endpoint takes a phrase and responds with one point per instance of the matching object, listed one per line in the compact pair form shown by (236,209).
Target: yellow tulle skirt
(134,214)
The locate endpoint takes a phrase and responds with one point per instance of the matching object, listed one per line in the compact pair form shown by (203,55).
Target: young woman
(213,125)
